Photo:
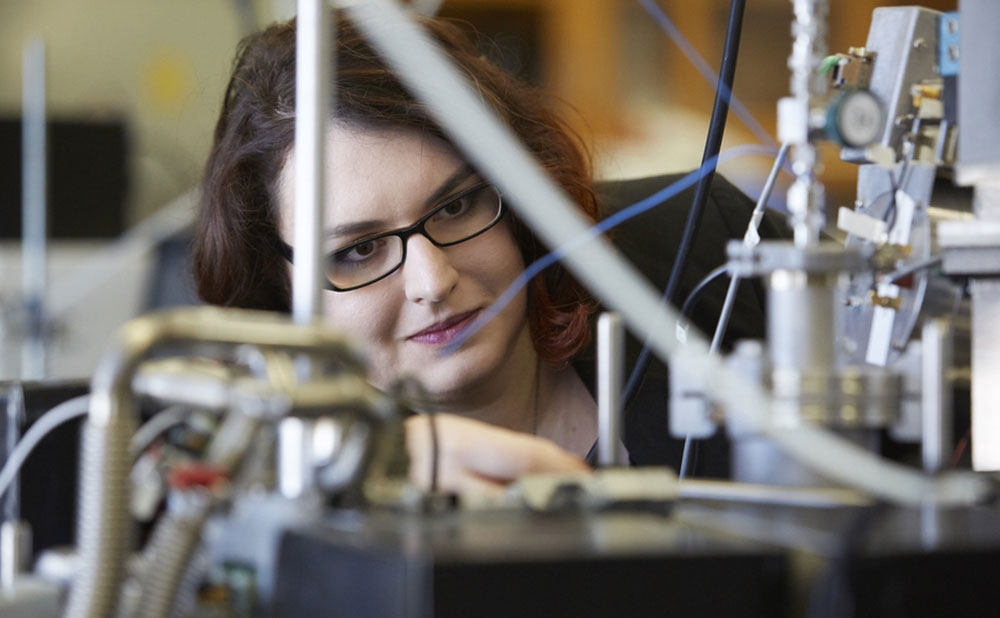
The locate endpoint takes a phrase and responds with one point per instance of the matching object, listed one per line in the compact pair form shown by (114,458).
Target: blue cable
(671,30)
(596,230)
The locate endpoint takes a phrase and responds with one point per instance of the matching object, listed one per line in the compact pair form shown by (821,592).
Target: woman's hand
(475,457)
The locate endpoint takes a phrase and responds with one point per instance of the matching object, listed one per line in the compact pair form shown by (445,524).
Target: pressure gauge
(854,119)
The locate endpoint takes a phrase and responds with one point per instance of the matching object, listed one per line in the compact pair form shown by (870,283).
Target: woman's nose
(428,274)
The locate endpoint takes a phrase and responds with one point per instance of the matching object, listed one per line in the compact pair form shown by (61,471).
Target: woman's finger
(475,456)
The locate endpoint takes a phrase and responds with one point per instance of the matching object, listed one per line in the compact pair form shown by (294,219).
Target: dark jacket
(650,242)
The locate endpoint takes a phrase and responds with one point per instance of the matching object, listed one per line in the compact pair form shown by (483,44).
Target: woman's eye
(365,249)
(360,252)
(457,207)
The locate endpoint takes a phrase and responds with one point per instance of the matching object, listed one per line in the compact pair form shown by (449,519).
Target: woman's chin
(454,380)
(449,388)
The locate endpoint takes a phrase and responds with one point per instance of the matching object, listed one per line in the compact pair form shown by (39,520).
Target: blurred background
(134,86)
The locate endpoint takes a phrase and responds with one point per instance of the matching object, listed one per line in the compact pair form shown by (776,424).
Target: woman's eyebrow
(356,228)
(449,185)
(367,226)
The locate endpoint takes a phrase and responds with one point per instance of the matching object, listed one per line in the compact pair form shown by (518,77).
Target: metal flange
(850,399)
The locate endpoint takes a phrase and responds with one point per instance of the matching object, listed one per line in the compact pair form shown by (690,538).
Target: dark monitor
(87,178)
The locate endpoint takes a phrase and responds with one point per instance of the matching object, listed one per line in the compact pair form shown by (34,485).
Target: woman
(419,244)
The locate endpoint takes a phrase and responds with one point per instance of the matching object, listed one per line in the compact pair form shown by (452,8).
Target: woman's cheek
(353,319)
(368,322)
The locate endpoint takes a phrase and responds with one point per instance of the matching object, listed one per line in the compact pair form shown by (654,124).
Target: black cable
(890,214)
(411,395)
(713,144)
(435,450)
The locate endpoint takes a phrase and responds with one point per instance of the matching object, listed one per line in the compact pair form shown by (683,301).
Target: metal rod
(805,196)
(936,413)
(985,361)
(15,553)
(312,108)
(14,418)
(294,455)
(33,209)
(610,378)
(985,293)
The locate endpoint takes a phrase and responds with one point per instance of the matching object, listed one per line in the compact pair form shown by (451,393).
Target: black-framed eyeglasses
(459,218)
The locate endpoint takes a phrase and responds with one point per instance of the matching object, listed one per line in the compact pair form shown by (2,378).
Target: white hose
(66,411)
(494,149)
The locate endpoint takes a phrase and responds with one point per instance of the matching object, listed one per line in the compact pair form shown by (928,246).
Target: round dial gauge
(855,119)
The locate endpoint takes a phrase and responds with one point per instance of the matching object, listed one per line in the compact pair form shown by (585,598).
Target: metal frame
(496,151)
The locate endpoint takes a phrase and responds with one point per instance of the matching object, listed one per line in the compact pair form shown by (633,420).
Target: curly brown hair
(236,256)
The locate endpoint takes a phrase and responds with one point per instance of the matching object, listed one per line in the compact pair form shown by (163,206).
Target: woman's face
(379,181)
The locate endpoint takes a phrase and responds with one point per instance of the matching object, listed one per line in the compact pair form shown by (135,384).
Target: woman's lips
(445,331)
